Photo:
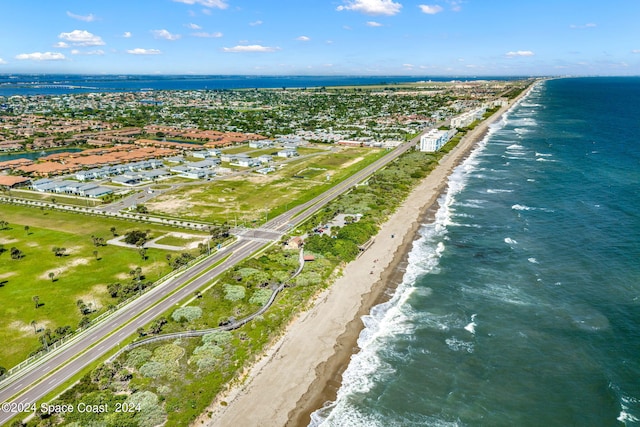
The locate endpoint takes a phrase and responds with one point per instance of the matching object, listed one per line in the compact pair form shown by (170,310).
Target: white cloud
(193,26)
(86,18)
(2,61)
(219,4)
(41,56)
(374,24)
(582,27)
(520,53)
(141,51)
(250,48)
(81,38)
(455,5)
(127,34)
(303,38)
(430,10)
(164,34)
(372,7)
(207,35)
(635,51)
(255,23)
(61,45)
(91,52)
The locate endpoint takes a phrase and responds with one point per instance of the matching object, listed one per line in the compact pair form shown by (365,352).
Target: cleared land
(250,199)
(83,272)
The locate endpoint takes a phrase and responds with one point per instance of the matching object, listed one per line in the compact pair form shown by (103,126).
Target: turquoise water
(521,303)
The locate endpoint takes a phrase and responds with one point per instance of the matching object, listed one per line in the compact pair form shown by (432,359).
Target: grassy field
(250,199)
(60,281)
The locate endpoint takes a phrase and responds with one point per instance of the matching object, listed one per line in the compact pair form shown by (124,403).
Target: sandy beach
(302,370)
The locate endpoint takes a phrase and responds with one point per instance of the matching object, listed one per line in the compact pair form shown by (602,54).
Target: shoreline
(268,396)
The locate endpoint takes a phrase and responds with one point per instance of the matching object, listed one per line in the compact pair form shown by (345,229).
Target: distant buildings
(288,153)
(71,187)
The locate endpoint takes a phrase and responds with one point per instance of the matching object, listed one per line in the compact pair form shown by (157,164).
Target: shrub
(151,413)
(188,313)
(247,271)
(309,278)
(233,292)
(206,356)
(168,353)
(137,357)
(260,296)
(218,337)
(153,369)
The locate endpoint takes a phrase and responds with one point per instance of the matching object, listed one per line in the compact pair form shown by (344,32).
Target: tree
(84,309)
(26,228)
(35,326)
(143,253)
(4,225)
(51,275)
(16,253)
(135,237)
(156,326)
(95,254)
(36,300)
(97,241)
(219,232)
(59,252)
(84,321)
(113,231)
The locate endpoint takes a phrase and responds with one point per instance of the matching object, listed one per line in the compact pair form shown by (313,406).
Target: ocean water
(521,302)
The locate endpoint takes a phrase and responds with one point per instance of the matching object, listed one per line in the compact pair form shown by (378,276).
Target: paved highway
(47,375)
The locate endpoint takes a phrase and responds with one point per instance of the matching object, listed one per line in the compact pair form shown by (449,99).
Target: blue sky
(319,37)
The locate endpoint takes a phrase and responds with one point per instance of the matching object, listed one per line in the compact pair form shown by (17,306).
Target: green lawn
(179,240)
(79,274)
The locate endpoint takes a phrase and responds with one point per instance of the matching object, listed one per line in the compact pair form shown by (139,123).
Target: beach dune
(302,370)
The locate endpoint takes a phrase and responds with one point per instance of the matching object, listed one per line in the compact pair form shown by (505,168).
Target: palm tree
(36,300)
(26,228)
(95,254)
(35,326)
(113,231)
(51,275)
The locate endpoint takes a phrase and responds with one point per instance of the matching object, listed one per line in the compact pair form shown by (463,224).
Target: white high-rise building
(465,119)
(435,139)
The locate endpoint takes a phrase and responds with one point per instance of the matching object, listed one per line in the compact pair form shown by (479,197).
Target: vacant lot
(252,198)
(82,271)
